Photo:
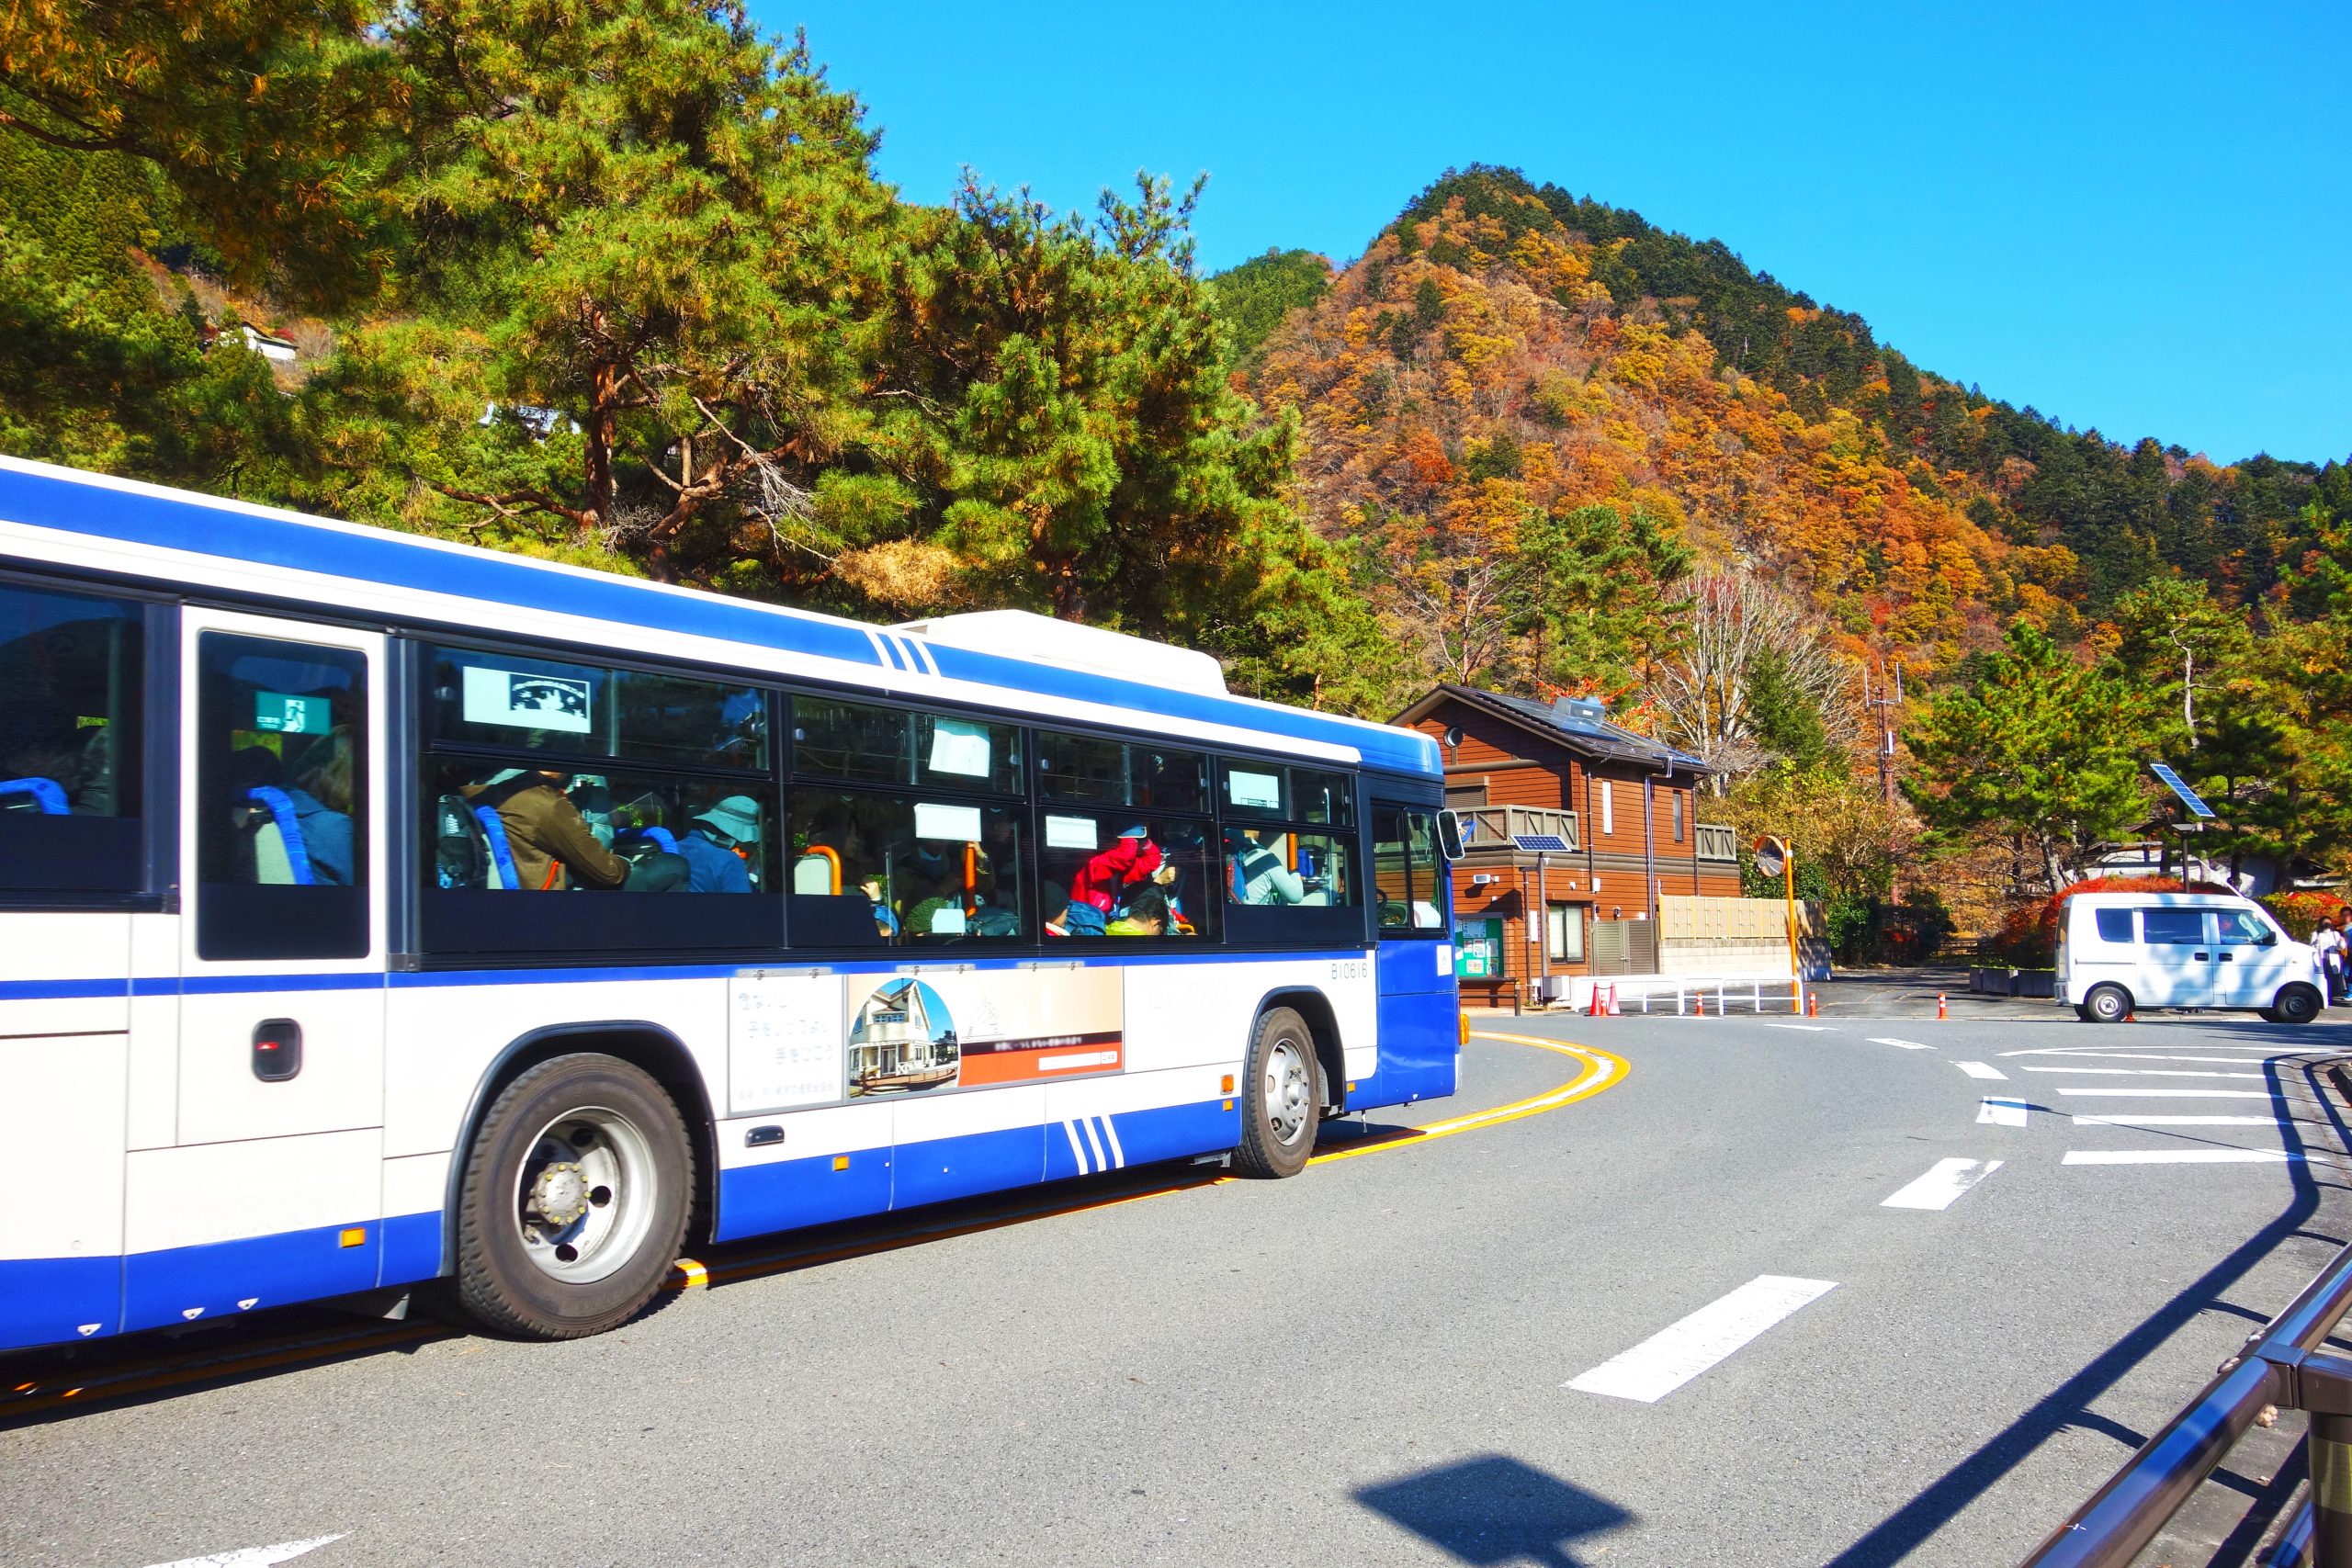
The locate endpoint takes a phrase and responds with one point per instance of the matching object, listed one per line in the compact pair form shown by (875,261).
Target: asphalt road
(1368,1364)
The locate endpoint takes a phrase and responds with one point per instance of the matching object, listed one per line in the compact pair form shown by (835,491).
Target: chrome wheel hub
(585,1196)
(1289,1090)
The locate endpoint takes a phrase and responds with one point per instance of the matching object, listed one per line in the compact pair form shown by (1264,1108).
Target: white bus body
(282,1018)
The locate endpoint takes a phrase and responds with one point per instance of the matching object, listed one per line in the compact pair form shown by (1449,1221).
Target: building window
(1677,814)
(1563,932)
(1608,809)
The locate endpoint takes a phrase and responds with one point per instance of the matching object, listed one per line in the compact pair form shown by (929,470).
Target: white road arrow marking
(254,1556)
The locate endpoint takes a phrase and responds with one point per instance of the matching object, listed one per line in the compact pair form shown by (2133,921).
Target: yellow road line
(1603,1070)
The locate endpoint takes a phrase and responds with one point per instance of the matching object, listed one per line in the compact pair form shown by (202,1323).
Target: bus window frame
(156,888)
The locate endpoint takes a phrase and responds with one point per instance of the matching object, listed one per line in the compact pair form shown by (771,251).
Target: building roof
(1582,727)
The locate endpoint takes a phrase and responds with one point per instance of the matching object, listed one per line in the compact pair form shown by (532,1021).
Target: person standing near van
(2329,943)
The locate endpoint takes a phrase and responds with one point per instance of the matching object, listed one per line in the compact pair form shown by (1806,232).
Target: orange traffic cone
(1812,1005)
(1941,1011)
(1612,1002)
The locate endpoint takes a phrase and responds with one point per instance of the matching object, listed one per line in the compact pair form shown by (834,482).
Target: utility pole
(1883,718)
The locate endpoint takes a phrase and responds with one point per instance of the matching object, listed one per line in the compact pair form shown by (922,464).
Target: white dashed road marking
(2181,1120)
(1905,1044)
(2177,1156)
(1980,1070)
(1673,1356)
(2002,1113)
(254,1556)
(1945,1181)
(2146,1073)
(2175,1093)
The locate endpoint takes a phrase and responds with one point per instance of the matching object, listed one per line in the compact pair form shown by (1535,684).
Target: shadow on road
(1493,1510)
(2069,1405)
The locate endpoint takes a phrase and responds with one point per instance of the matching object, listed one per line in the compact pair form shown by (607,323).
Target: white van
(2122,952)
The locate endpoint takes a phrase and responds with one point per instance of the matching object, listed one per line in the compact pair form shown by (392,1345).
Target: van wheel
(575,1200)
(2295,1004)
(2108,1004)
(1282,1098)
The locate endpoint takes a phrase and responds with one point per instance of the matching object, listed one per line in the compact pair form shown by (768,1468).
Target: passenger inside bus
(1147,915)
(1258,873)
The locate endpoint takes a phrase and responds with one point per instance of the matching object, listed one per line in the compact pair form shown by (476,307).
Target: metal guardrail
(2281,1365)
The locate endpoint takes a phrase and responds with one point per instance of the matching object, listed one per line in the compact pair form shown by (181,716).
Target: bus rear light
(1226,1086)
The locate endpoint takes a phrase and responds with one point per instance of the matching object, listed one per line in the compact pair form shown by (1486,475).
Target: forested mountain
(1505,352)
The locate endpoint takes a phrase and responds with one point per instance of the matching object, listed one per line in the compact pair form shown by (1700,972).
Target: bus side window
(281,810)
(71,734)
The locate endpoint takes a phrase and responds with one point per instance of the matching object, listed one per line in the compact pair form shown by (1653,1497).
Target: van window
(2173,927)
(2115,925)
(2242,928)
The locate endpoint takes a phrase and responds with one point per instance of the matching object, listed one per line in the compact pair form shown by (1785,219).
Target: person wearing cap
(708,848)
(1133,862)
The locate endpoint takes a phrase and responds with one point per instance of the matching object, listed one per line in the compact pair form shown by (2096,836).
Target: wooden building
(1575,827)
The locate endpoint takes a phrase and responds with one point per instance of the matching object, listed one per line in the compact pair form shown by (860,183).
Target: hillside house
(1570,821)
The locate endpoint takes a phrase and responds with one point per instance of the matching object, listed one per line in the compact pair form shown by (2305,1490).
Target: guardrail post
(2331,1462)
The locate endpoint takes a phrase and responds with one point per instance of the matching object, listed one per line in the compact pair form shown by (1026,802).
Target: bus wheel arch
(1323,1024)
(649,1047)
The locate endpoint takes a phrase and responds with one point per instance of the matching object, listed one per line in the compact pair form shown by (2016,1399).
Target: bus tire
(2108,1004)
(576,1196)
(2295,1004)
(1282,1097)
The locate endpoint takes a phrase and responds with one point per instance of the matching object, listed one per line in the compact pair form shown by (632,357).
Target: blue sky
(2136,217)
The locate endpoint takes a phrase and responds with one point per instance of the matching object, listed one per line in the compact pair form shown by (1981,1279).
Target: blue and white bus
(376,910)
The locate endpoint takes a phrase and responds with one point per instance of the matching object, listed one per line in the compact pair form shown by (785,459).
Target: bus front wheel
(575,1200)
(1281,1100)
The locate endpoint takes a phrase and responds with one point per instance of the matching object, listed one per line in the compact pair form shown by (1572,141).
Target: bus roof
(150,531)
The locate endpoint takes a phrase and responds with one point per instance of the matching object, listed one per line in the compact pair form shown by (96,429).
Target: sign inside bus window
(527,700)
(275,713)
(955,824)
(1072,832)
(1245,788)
(958,748)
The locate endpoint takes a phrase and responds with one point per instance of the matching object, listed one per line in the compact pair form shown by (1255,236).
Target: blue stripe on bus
(61,991)
(194,524)
(235,984)
(48,1301)
(51,1301)
(180,1284)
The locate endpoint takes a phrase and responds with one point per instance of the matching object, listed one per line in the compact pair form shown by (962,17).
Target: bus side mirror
(1449,835)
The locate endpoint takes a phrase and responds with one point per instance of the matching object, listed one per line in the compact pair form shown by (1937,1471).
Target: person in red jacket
(1133,862)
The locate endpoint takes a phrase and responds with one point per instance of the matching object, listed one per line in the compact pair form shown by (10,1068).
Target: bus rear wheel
(575,1200)
(1283,1097)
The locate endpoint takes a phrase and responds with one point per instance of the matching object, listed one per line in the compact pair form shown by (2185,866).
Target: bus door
(271,1189)
(1419,1039)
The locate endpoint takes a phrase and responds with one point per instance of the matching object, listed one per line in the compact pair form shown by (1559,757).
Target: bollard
(1812,1005)
(1941,1011)
(1700,999)
(2331,1467)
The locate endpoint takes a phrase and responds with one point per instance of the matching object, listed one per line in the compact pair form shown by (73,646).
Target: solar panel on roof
(1548,843)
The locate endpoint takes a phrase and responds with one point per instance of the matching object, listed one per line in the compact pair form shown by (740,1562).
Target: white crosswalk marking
(1980,1070)
(2002,1113)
